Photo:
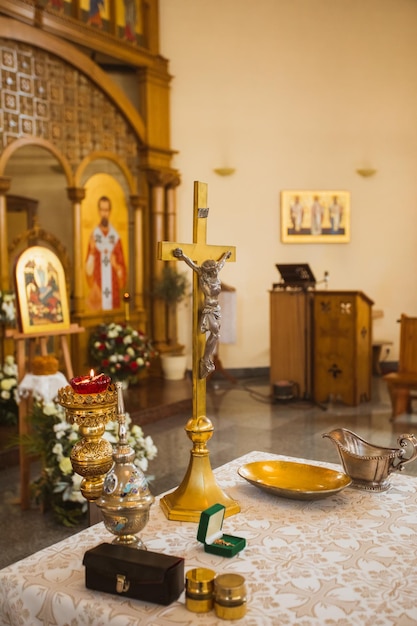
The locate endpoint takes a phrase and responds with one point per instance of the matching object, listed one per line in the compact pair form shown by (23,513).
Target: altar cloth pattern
(345,560)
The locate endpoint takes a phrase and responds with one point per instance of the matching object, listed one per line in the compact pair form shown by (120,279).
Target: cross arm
(196,251)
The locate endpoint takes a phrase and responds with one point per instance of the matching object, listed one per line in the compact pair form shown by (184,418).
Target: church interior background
(147,109)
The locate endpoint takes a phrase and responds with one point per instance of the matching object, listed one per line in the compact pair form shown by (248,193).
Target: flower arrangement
(8,392)
(120,351)
(52,439)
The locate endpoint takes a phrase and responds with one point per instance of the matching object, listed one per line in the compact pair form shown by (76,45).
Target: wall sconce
(366,172)
(225,171)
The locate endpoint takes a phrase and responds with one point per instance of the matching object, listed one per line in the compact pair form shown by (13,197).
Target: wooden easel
(29,343)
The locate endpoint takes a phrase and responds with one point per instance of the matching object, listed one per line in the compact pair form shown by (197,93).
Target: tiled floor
(244,419)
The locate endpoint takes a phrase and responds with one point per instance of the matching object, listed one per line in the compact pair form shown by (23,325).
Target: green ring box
(210,531)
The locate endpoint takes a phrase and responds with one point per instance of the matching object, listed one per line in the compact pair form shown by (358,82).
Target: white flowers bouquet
(53,438)
(8,392)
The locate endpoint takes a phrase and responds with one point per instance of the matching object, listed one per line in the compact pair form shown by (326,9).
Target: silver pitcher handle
(408,452)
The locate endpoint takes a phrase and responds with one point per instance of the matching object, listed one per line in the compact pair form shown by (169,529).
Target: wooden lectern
(342,340)
(322,341)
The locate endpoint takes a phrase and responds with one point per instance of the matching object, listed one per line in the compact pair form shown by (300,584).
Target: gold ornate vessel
(91,457)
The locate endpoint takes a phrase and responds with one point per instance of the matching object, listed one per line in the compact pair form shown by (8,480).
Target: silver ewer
(126,499)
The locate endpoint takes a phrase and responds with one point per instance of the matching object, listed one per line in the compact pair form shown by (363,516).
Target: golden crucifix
(199,489)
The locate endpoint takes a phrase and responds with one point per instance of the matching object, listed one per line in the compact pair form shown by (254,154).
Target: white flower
(5,395)
(111,437)
(142,463)
(127,339)
(65,466)
(9,310)
(58,450)
(76,481)
(140,361)
(130,351)
(10,366)
(8,383)
(49,408)
(10,370)
(61,427)
(113,358)
(151,449)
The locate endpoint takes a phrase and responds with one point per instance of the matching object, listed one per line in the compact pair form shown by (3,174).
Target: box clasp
(122,584)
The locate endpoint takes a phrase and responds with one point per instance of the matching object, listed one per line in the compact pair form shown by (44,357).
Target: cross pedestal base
(198,490)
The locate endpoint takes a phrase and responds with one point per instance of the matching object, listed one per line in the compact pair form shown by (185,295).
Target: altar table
(347,559)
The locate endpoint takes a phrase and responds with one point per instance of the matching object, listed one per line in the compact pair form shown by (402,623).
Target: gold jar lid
(199,585)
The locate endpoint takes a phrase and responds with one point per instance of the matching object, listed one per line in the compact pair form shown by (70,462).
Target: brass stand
(198,490)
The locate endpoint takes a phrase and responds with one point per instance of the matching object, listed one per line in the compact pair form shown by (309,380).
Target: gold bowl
(299,481)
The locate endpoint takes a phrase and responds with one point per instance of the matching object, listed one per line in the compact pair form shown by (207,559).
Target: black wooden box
(140,574)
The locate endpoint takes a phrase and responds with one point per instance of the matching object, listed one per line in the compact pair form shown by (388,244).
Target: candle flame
(91,373)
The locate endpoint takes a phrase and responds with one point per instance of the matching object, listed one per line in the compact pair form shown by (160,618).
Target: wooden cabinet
(342,347)
(290,315)
(322,340)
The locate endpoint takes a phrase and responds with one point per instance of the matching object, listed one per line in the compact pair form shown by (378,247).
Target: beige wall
(298,94)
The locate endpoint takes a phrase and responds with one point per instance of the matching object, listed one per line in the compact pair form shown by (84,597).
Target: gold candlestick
(91,457)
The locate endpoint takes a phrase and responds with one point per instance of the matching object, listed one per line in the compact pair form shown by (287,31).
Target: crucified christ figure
(210,285)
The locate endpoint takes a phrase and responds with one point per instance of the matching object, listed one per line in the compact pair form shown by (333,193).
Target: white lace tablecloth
(344,560)
(42,387)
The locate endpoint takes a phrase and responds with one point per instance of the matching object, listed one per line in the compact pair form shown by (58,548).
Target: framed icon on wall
(315,216)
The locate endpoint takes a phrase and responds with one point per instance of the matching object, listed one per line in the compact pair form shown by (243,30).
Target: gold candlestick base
(198,490)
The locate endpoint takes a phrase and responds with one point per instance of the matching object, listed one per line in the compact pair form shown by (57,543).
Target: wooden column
(77,195)
(171,234)
(138,204)
(4,257)
(171,207)
(157,180)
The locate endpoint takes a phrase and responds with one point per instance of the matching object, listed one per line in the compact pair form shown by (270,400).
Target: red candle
(94,383)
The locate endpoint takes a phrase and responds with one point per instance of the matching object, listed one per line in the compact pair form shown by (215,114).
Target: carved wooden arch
(110,156)
(23,142)
(17,31)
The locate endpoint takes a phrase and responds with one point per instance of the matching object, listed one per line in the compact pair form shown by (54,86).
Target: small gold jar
(230,596)
(199,586)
